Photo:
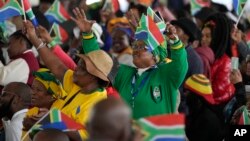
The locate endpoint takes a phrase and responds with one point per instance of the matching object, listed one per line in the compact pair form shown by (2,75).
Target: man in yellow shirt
(85,86)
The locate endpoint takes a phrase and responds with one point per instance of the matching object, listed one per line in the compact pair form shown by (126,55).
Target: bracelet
(42,44)
(51,44)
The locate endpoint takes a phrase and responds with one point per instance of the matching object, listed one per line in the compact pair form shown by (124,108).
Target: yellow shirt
(79,107)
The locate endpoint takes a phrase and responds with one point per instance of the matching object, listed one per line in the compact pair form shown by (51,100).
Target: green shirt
(157,95)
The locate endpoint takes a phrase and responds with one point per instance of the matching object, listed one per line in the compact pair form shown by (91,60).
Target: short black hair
(19,35)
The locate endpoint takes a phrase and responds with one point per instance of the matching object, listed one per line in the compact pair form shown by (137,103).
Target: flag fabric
(59,34)
(155,37)
(159,22)
(2,3)
(196,5)
(141,31)
(9,9)
(116,5)
(239,5)
(29,12)
(149,32)
(163,127)
(57,120)
(56,13)
(244,118)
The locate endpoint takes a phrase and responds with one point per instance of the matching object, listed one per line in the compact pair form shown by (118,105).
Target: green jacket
(157,87)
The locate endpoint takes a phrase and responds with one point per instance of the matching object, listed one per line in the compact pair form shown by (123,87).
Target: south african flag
(239,5)
(163,127)
(56,13)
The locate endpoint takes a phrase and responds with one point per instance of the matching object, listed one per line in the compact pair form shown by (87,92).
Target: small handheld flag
(56,13)
(57,120)
(150,30)
(244,118)
(163,127)
(10,9)
(239,7)
(159,22)
(29,12)
(58,34)
(196,5)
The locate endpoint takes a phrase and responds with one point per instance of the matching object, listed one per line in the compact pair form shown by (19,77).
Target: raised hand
(82,22)
(30,31)
(133,20)
(44,34)
(171,31)
(235,77)
(42,112)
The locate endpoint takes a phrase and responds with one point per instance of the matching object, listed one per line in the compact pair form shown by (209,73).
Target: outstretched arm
(56,49)
(89,42)
(51,61)
(179,66)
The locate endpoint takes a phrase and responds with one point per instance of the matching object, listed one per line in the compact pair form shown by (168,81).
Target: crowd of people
(104,77)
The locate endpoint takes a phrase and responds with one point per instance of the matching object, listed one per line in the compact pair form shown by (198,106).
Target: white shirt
(13,128)
(15,71)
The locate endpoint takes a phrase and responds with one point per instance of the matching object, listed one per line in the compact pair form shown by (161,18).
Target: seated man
(14,102)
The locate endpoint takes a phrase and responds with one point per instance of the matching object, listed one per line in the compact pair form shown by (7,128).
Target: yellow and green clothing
(157,95)
(77,105)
